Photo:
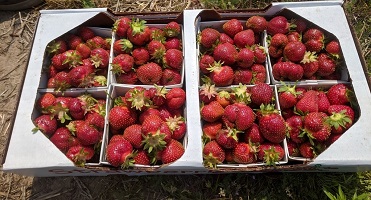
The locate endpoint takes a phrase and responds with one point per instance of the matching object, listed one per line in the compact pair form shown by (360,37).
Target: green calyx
(338,119)
(138,26)
(154,142)
(211,161)
(271,156)
(139,100)
(241,94)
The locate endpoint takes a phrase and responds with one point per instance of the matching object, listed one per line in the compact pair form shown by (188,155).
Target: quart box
(34,155)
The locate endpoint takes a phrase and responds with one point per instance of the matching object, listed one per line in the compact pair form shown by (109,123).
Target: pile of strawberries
(233,54)
(299,52)
(78,60)
(147,127)
(315,117)
(242,126)
(145,54)
(73,124)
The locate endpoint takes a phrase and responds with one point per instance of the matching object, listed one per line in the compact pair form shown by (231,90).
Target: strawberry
(310,64)
(243,76)
(88,135)
(314,122)
(272,126)
(80,77)
(323,102)
(205,62)
(227,138)
(170,77)
(326,65)
(97,42)
(177,126)
(46,124)
(279,40)
(63,139)
(98,81)
(150,111)
(213,154)
(294,127)
(341,118)
(120,154)
(333,48)
(151,124)
(175,98)
(253,135)
(173,43)
(73,41)
(294,36)
(278,24)
(270,153)
(60,108)
(121,26)
(275,52)
(259,54)
(122,63)
(138,98)
(210,130)
(212,111)
(56,47)
(172,29)
(243,153)
(140,55)
(261,93)
(208,37)
(313,34)
(240,115)
(80,154)
(339,94)
(308,103)
(172,152)
(138,32)
(293,149)
(301,25)
(99,57)
(332,139)
(52,71)
(207,93)
(224,98)
(224,38)
(77,109)
(157,34)
(259,73)
(71,58)
(120,117)
(232,27)
(127,78)
(45,102)
(173,58)
(287,96)
(157,50)
(244,38)
(307,150)
(314,45)
(84,50)
(245,58)
(257,23)
(96,120)
(141,158)
(226,53)
(122,46)
(294,51)
(221,75)
(149,73)
(133,134)
(85,33)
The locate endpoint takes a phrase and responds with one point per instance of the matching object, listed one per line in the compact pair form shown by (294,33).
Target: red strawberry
(97,42)
(294,51)
(224,98)
(151,124)
(314,121)
(57,46)
(127,78)
(232,27)
(172,29)
(212,111)
(270,153)
(333,48)
(157,50)
(275,52)
(210,130)
(140,55)
(272,126)
(52,71)
(122,63)
(326,65)
(257,23)
(173,58)
(46,124)
(279,40)
(244,38)
(227,138)
(261,93)
(301,25)
(224,38)
(173,43)
(96,120)
(148,112)
(121,26)
(243,76)
(293,36)
(308,103)
(259,73)
(73,41)
(85,33)
(142,158)
(314,45)
(80,76)
(157,34)
(138,32)
(99,57)
(170,77)
(213,154)
(149,73)
(293,149)
(175,98)
(84,50)
(307,150)
(310,64)
(323,102)
(177,126)
(245,58)
(226,53)
(339,94)
(45,102)
(122,46)
(120,117)
(88,135)
(60,108)
(221,75)
(253,135)
(205,62)
(278,24)
(259,54)
(243,153)
(172,152)
(63,139)
(80,154)
(133,134)
(120,154)
(240,115)
(208,37)
(313,34)
(71,58)
(138,98)
(294,126)
(341,118)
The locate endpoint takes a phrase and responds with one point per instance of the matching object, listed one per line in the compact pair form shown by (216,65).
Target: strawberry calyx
(73,58)
(53,47)
(154,141)
(61,112)
(290,89)
(271,156)
(126,45)
(116,69)
(100,80)
(267,109)
(139,99)
(216,66)
(211,161)
(160,91)
(173,122)
(96,60)
(241,94)
(338,119)
(80,158)
(137,25)
(208,90)
(128,159)
(309,57)
(158,35)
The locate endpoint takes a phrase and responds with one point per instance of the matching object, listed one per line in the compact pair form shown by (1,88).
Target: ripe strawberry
(207,93)
(120,117)
(141,158)
(80,77)
(333,48)
(172,29)
(157,50)
(63,139)
(73,41)
(173,58)
(56,47)
(243,153)
(326,65)
(314,45)
(96,120)
(227,138)
(314,122)
(232,27)
(243,76)
(173,43)
(245,58)
(226,53)
(323,102)
(138,98)
(308,103)
(149,73)
(121,26)
(122,46)
(213,154)
(341,118)
(293,149)
(87,134)
(257,23)
(224,38)
(294,126)
(151,124)
(205,62)
(138,32)
(294,51)
(221,75)
(99,57)
(259,73)
(170,77)
(261,93)
(177,126)
(294,37)
(122,63)
(52,71)
(273,127)
(279,40)
(85,33)
(275,52)
(175,98)
(301,25)
(127,78)
(157,34)
(148,112)
(46,124)
(80,154)
(210,130)
(212,111)
(172,152)
(84,50)
(208,37)
(278,24)
(71,58)
(97,42)
(259,54)
(133,134)
(244,38)
(287,96)
(270,153)
(292,71)
(339,94)
(307,150)
(240,115)
(120,154)
(60,108)
(313,34)
(140,55)
(45,102)
(224,98)
(310,64)
(77,109)
(253,135)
